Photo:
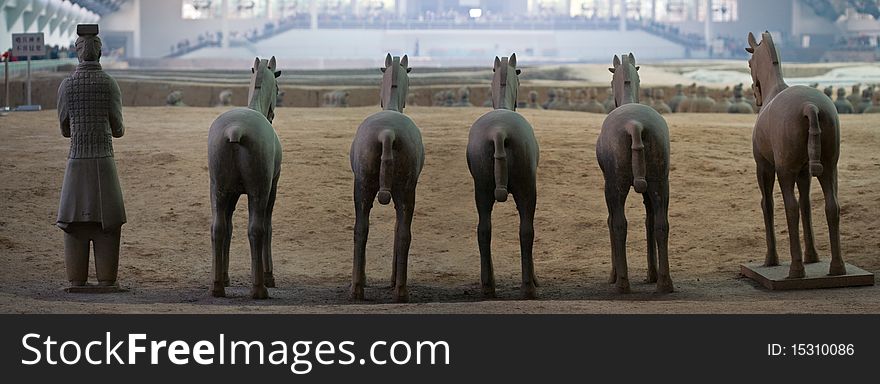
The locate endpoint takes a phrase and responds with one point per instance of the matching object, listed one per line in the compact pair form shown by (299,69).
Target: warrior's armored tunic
(90,112)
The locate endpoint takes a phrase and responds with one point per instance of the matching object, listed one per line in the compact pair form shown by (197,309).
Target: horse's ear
(752,43)
(408,70)
(497,64)
(388,61)
(616,62)
(632,59)
(404,61)
(512,60)
(611,70)
(272,64)
(518,72)
(277,74)
(637,68)
(766,36)
(256,62)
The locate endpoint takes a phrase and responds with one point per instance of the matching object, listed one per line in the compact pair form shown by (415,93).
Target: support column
(623,10)
(707,26)
(224,15)
(401,8)
(313,13)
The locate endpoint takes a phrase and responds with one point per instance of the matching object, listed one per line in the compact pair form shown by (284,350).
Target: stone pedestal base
(776,278)
(92,288)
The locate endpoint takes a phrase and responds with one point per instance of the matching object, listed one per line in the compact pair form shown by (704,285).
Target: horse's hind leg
(659,194)
(649,235)
(220,234)
(485,199)
(363,202)
(615,200)
(766,180)
(828,180)
(525,204)
(268,276)
(404,204)
(787,182)
(257,226)
(230,210)
(803,184)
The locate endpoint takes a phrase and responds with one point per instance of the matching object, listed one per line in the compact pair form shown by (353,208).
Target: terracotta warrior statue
(551,99)
(224,99)
(91,211)
(647,97)
(796,138)
(592,105)
(678,98)
(387,156)
(702,103)
(244,158)
(829,91)
(855,96)
(685,105)
(633,151)
(874,106)
(609,100)
(488,102)
(842,103)
(740,105)
(659,104)
(865,103)
(464,97)
(723,105)
(279,99)
(533,101)
(175,99)
(502,156)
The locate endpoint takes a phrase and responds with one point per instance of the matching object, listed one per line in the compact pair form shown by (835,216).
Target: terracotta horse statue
(633,150)
(502,156)
(387,156)
(244,157)
(796,137)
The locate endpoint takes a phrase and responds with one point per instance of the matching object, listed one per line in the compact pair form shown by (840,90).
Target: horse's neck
(393,103)
(507,101)
(258,104)
(772,83)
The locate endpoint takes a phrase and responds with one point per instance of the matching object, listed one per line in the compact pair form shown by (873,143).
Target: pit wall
(145,94)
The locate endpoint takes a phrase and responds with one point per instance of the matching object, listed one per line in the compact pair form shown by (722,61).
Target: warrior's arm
(116,126)
(63,116)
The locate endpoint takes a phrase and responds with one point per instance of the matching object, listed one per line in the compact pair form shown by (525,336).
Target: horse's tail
(500,166)
(386,167)
(234,133)
(634,128)
(814,142)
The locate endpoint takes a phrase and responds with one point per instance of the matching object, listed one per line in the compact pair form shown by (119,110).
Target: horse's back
(244,152)
(614,146)
(519,133)
(782,129)
(367,145)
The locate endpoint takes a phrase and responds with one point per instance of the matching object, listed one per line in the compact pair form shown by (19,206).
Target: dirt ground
(715,221)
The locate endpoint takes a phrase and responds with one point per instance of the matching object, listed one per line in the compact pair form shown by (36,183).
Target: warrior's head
(88,44)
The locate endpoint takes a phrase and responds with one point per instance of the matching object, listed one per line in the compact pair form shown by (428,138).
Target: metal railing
(19,68)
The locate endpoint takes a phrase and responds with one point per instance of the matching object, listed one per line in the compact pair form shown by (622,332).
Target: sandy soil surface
(166,260)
